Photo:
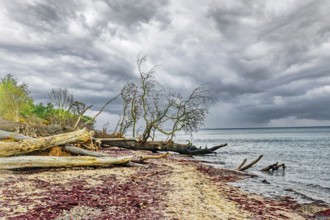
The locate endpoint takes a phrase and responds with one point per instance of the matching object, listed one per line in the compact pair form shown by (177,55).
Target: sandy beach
(173,188)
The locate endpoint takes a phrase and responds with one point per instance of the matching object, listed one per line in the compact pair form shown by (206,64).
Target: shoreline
(173,188)
(250,185)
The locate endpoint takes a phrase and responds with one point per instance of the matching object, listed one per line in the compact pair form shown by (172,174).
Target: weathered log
(270,167)
(41,130)
(79,151)
(281,165)
(243,168)
(12,135)
(9,126)
(50,161)
(35,144)
(273,167)
(155,146)
(142,159)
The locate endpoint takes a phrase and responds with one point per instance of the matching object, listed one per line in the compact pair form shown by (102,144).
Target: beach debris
(57,161)
(243,168)
(13,145)
(29,145)
(155,146)
(265,181)
(273,167)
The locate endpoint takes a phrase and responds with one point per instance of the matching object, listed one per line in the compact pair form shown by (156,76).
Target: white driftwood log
(53,161)
(35,144)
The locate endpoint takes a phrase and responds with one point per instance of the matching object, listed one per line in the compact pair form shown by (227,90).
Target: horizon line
(276,127)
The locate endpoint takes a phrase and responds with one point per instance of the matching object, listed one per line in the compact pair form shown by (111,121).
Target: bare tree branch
(103,107)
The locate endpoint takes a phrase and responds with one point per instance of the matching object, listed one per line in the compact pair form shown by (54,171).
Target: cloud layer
(266,62)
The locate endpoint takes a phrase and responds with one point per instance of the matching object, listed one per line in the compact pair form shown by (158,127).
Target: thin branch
(103,107)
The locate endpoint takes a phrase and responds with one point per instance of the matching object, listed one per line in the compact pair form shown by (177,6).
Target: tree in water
(14,98)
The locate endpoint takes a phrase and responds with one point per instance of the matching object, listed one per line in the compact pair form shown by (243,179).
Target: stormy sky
(266,62)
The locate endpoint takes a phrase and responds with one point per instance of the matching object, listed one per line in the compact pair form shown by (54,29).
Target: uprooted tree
(147,103)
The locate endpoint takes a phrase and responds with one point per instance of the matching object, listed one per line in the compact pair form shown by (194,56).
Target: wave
(304,196)
(319,186)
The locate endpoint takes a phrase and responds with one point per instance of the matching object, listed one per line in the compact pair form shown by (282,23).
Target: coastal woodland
(35,130)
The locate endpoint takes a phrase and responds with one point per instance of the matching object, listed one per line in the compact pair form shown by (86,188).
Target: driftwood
(155,146)
(83,152)
(27,144)
(54,161)
(13,136)
(142,159)
(10,126)
(273,167)
(242,164)
(131,144)
(243,168)
(80,151)
(39,130)
(35,144)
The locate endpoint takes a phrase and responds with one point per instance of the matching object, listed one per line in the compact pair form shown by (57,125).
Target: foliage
(43,111)
(17,105)
(14,98)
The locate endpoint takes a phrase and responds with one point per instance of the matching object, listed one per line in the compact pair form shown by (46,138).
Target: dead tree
(157,106)
(156,146)
(102,109)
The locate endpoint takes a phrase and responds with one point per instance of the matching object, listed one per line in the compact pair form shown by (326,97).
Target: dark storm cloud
(266,62)
(131,12)
(279,58)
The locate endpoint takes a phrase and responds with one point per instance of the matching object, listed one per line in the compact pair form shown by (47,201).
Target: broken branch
(243,168)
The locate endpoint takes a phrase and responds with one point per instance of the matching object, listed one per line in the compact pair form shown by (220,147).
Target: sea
(304,150)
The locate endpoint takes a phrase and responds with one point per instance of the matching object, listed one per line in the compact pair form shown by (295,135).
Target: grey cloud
(261,60)
(132,12)
(42,16)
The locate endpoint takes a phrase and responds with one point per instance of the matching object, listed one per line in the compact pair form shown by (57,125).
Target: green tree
(14,98)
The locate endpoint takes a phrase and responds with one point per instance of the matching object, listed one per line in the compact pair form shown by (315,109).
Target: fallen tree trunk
(33,130)
(10,126)
(11,135)
(79,151)
(155,146)
(50,161)
(84,152)
(35,144)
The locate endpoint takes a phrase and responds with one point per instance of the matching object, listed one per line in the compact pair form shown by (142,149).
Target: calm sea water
(305,151)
